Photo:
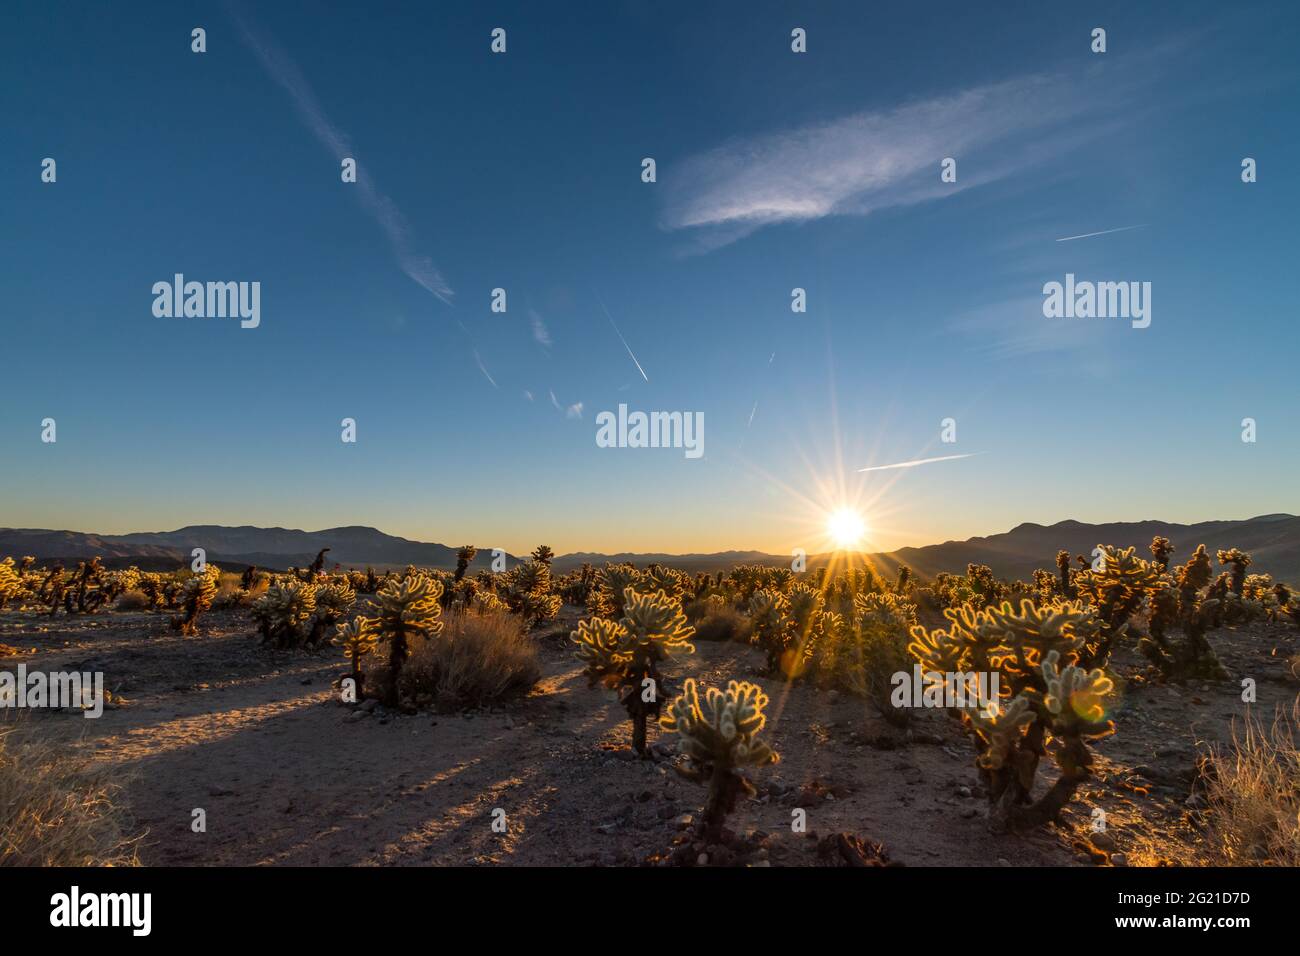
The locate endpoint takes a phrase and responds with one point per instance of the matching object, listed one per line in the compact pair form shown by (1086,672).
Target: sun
(845,527)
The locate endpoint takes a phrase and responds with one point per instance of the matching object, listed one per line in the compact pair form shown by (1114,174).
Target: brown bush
(57,809)
(476,660)
(133,601)
(714,622)
(1253,790)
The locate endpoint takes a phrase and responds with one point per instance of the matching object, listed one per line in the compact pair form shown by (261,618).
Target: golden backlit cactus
(1240,561)
(11,583)
(195,598)
(407,609)
(358,638)
(1049,699)
(1179,600)
(284,612)
(773,629)
(335,599)
(625,655)
(1117,590)
(719,735)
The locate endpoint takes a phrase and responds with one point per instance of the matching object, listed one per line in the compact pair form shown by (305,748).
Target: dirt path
(287,774)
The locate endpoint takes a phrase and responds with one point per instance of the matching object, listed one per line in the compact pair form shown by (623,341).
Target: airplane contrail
(919,461)
(483,368)
(1104,232)
(620,337)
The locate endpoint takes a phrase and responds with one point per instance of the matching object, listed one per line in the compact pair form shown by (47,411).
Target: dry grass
(476,660)
(56,810)
(1253,790)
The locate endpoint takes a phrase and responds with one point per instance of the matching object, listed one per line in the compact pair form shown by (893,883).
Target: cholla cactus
(625,655)
(773,628)
(1180,602)
(1161,550)
(284,611)
(408,609)
(11,583)
(720,737)
(1063,566)
(615,579)
(1118,589)
(195,598)
(1240,561)
(528,592)
(334,601)
(1051,701)
(357,638)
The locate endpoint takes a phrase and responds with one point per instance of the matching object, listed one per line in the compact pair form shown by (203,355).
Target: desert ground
(288,774)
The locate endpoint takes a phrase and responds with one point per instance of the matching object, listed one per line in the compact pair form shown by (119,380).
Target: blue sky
(522,171)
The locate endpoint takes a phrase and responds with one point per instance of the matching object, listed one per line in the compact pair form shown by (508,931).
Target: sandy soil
(287,774)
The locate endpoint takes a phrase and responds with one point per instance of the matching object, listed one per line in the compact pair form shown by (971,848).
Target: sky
(522,170)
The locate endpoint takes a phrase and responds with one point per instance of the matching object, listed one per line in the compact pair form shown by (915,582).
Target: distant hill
(266,547)
(1272,540)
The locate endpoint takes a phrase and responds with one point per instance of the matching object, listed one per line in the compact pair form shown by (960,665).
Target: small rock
(964,791)
(1118,859)
(1102,840)
(684,821)
(702,860)
(968,812)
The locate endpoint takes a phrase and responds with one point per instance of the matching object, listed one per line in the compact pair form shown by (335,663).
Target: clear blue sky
(522,170)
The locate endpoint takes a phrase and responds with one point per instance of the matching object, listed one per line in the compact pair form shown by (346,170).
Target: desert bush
(625,655)
(134,600)
(1049,704)
(476,660)
(1253,793)
(57,809)
(789,627)
(720,738)
(715,619)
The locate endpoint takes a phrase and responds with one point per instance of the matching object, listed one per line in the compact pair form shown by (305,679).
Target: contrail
(284,71)
(1104,232)
(919,461)
(484,370)
(751,414)
(620,336)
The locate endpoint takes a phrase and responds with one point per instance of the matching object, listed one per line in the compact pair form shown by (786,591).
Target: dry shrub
(132,601)
(57,809)
(718,622)
(1253,790)
(476,660)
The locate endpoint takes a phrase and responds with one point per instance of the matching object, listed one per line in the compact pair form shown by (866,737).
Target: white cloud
(871,160)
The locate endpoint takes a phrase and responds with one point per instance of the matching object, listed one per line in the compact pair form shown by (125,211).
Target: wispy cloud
(541,334)
(384,211)
(918,461)
(871,160)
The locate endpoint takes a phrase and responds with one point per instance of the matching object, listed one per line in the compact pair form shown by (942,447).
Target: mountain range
(1273,541)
